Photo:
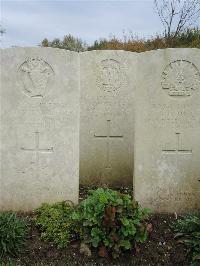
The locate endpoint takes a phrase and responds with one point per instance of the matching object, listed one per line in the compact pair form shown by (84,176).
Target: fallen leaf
(149,227)
(102,252)
(84,249)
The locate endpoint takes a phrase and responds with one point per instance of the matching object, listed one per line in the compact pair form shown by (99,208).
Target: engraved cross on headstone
(178,149)
(37,149)
(108,136)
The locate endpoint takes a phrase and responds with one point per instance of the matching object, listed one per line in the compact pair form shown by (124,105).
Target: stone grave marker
(106,130)
(167,130)
(39,127)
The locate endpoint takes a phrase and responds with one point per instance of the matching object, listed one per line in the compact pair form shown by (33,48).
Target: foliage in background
(110,221)
(13,233)
(190,38)
(55,223)
(177,15)
(188,231)
(69,43)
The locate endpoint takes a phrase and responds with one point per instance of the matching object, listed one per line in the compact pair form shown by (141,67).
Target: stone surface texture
(167,130)
(39,127)
(106,130)
(139,120)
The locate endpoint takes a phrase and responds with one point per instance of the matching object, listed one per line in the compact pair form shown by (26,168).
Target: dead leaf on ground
(85,250)
(102,252)
(149,227)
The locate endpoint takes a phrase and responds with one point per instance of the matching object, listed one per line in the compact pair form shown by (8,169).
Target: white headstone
(106,129)
(142,108)
(39,127)
(167,130)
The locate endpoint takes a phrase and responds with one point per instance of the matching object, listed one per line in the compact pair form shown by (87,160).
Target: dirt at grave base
(160,249)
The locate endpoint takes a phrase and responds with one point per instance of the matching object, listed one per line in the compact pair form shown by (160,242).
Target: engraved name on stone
(172,192)
(60,112)
(178,116)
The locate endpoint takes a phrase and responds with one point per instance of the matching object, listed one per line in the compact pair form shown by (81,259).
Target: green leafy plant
(110,221)
(13,233)
(187,230)
(55,223)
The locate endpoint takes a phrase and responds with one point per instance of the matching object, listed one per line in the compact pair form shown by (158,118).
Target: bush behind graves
(55,223)
(187,230)
(13,233)
(110,221)
(189,38)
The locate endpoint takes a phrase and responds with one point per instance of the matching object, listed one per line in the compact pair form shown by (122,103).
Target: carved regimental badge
(109,76)
(35,73)
(181,78)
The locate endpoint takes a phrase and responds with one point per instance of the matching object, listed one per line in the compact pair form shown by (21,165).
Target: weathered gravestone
(106,130)
(39,127)
(142,108)
(167,130)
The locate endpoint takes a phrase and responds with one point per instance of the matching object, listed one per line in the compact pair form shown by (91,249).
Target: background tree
(45,43)
(69,42)
(177,15)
